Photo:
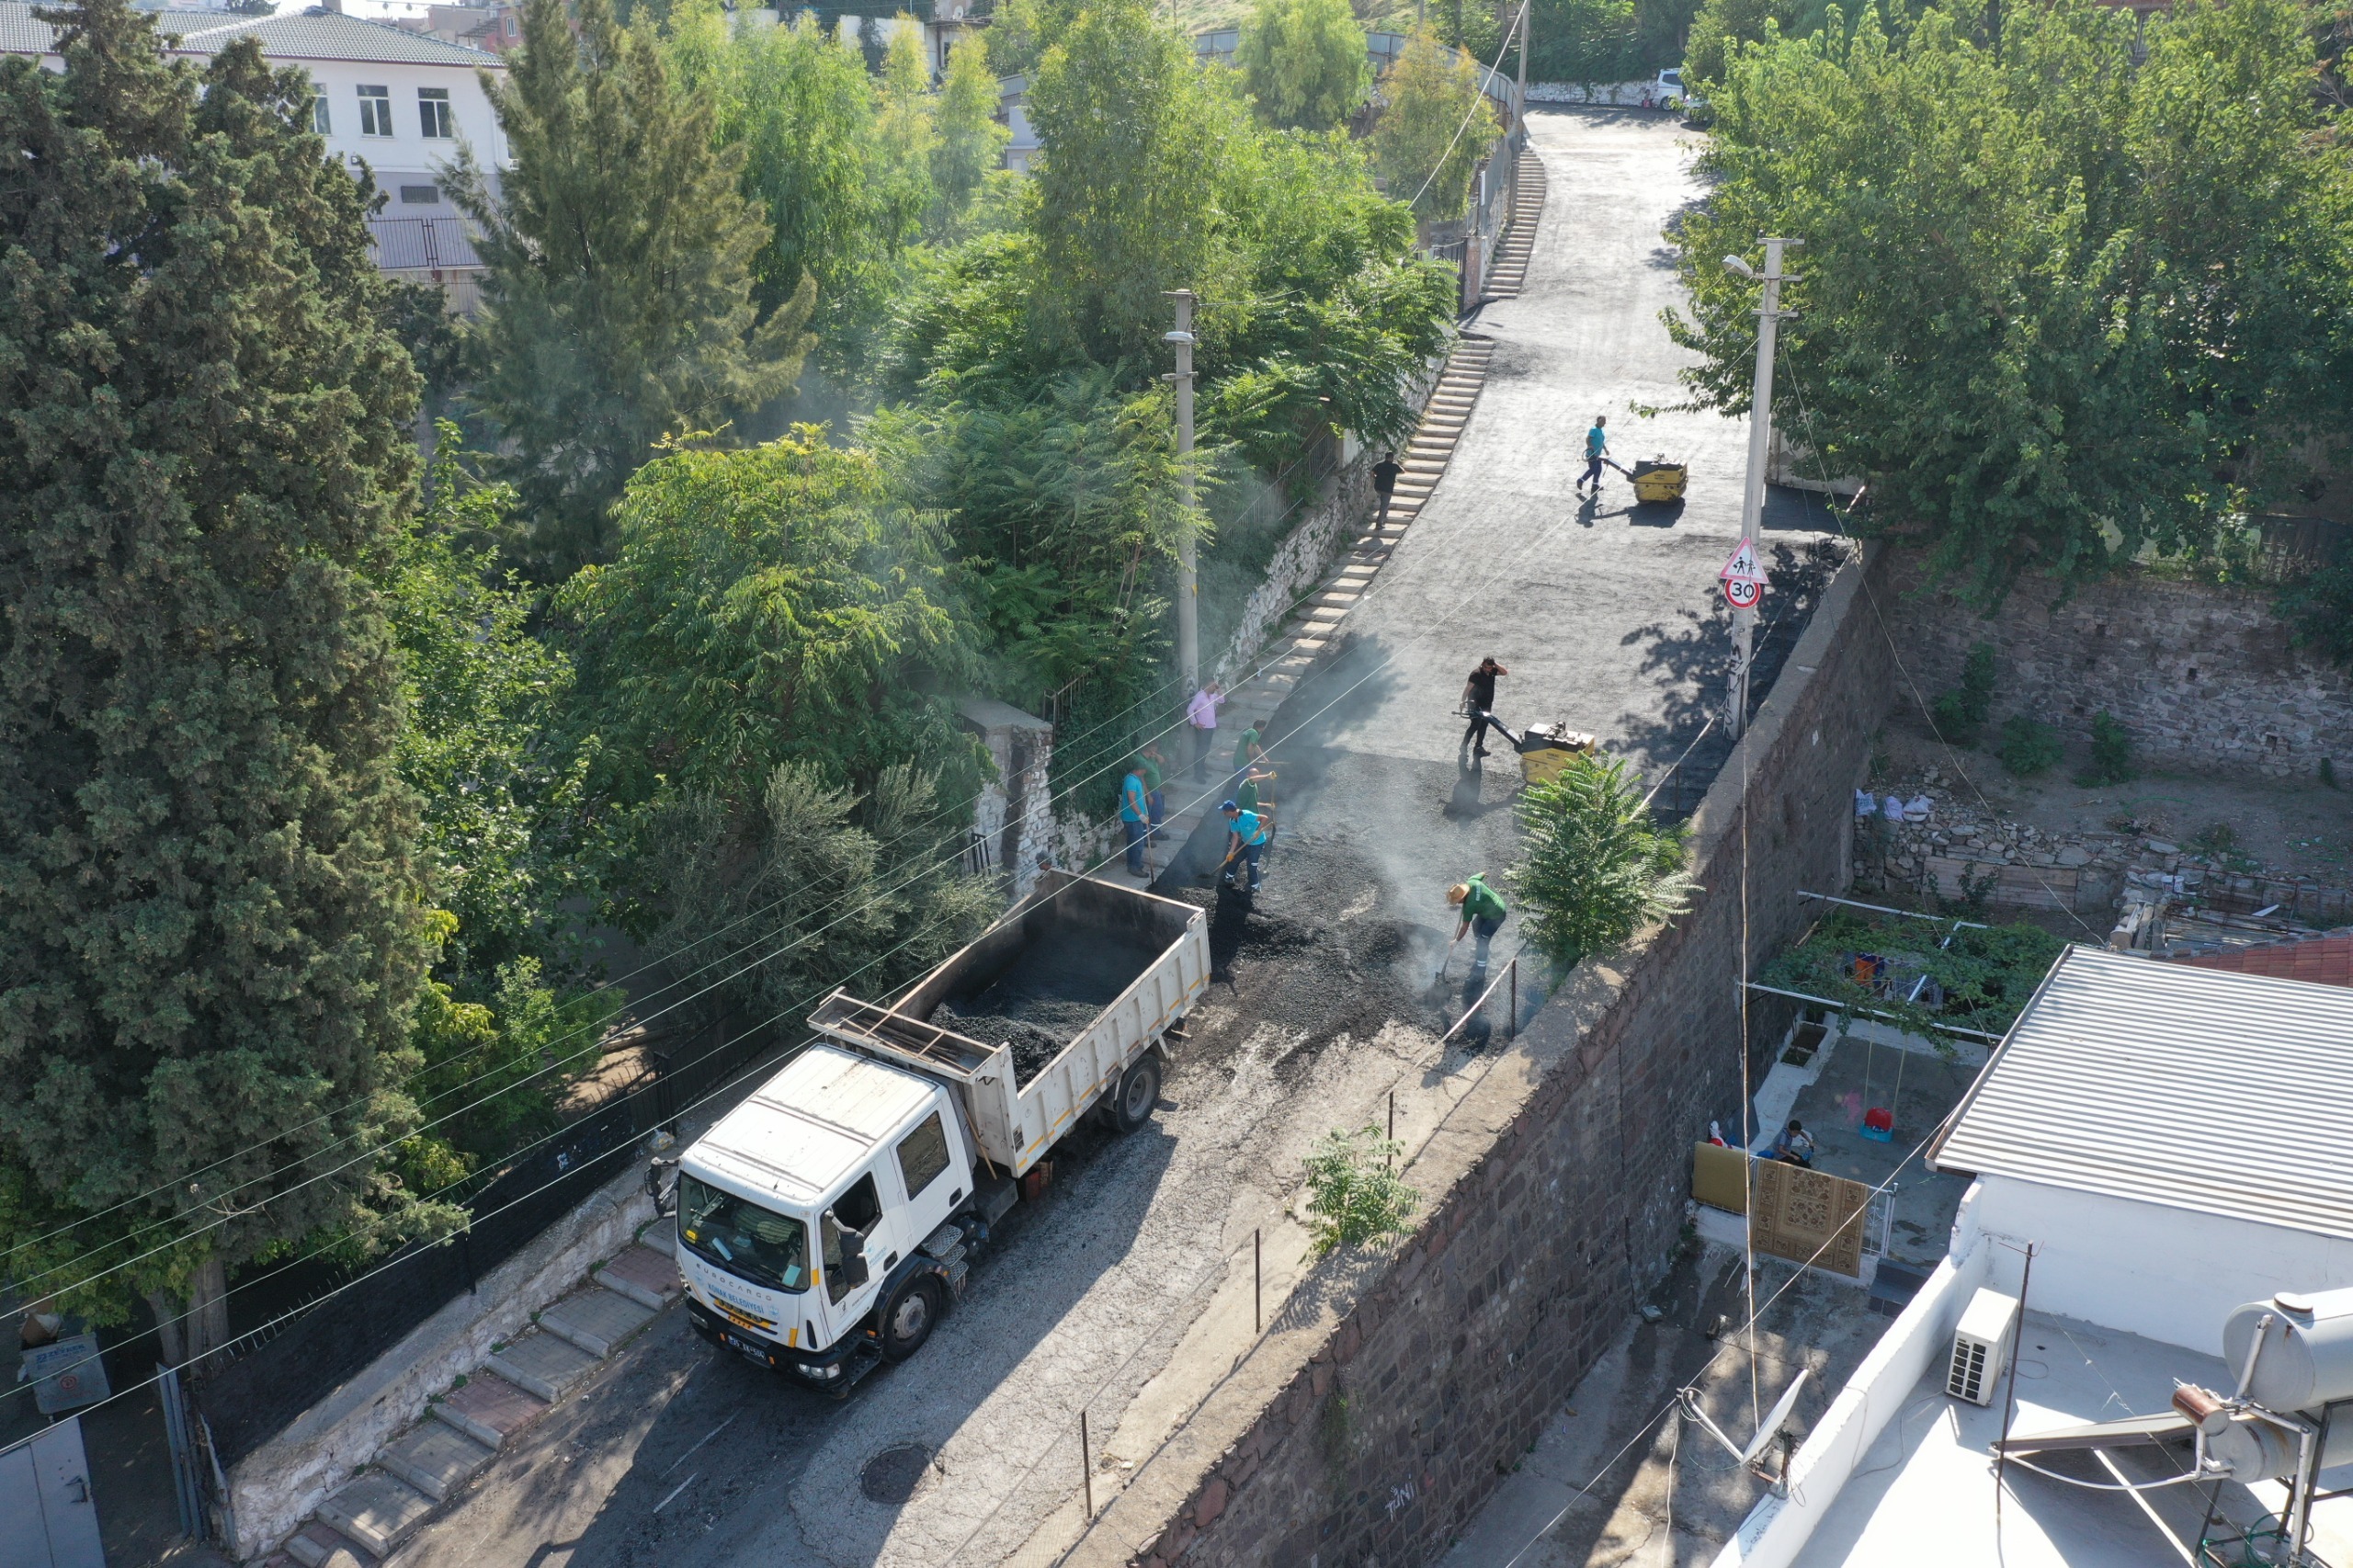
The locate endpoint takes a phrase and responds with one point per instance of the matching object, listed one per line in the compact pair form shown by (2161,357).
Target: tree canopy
(618,302)
(2058,306)
(1434,128)
(212,932)
(1304,63)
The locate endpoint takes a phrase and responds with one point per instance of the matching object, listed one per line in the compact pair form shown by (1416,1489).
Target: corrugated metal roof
(308,35)
(811,1125)
(2194,1088)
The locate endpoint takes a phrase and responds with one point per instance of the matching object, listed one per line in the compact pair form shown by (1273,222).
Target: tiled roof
(329,35)
(308,35)
(2322,960)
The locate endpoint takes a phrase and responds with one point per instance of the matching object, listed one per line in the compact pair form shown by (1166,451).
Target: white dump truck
(827,1223)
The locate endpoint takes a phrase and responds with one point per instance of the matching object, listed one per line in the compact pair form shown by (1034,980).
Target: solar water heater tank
(2305,1357)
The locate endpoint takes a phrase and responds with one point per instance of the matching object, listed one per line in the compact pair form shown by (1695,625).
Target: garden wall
(1552,1194)
(2203,674)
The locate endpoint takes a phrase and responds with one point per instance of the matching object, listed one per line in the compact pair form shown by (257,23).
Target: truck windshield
(761,1245)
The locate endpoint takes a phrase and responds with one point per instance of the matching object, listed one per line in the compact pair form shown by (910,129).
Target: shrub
(2111,753)
(1354,1193)
(1959,713)
(2029,745)
(1598,866)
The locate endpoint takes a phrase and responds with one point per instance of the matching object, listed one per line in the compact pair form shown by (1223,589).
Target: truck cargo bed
(1037,1017)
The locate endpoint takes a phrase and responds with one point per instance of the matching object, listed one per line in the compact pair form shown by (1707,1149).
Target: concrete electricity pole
(1760,435)
(1519,93)
(1188,588)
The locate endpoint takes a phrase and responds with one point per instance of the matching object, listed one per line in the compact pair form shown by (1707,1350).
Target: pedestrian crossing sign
(1744,584)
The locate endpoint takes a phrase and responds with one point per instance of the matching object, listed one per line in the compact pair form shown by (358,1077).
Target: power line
(577,1032)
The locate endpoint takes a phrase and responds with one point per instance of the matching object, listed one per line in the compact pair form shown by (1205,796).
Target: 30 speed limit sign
(1744,584)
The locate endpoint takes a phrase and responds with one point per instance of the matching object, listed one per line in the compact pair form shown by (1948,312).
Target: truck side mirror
(852,1258)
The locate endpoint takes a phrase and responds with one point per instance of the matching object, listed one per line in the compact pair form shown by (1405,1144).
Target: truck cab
(814,1221)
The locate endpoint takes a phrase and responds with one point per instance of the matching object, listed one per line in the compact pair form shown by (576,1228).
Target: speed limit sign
(1744,584)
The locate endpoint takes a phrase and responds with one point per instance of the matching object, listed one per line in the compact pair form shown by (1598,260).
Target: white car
(1668,91)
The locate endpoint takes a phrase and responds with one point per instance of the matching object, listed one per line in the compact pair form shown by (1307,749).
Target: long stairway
(428,1464)
(1508,274)
(1313,632)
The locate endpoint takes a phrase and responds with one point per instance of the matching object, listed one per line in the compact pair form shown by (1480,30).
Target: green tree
(1598,866)
(617,296)
(1434,128)
(1136,141)
(1020,31)
(2059,307)
(769,605)
(1304,63)
(906,139)
(212,932)
(500,792)
(971,140)
(859,890)
(1596,40)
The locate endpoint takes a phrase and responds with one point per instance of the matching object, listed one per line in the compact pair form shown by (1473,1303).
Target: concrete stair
(1508,274)
(430,1463)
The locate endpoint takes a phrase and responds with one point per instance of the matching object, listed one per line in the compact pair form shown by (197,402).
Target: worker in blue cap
(1246,839)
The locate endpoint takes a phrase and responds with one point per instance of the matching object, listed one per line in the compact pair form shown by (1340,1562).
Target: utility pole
(1188,588)
(1519,93)
(1760,435)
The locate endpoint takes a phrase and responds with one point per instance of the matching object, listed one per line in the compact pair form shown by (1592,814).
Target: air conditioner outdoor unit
(1980,1345)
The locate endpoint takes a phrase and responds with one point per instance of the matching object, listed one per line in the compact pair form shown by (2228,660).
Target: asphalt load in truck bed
(1059,985)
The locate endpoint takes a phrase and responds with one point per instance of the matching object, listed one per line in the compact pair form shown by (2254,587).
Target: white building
(2154,1146)
(392,104)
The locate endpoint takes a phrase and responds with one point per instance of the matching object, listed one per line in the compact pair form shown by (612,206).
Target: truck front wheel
(908,1318)
(1138,1092)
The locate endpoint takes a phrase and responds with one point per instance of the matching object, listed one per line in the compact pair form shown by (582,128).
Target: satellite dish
(1766,1431)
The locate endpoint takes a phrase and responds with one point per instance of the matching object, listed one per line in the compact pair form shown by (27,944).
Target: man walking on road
(1596,452)
(1201,713)
(1479,697)
(1155,777)
(1483,911)
(1246,840)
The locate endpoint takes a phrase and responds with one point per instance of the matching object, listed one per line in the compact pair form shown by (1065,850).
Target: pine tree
(210,921)
(1304,62)
(619,304)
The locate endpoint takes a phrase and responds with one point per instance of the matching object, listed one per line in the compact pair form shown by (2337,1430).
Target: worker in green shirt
(1247,754)
(1483,911)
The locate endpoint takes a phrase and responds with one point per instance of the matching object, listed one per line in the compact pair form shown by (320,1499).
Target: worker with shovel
(1246,840)
(1483,912)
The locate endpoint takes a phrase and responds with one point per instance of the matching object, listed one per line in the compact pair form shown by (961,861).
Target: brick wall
(1554,1194)
(2201,674)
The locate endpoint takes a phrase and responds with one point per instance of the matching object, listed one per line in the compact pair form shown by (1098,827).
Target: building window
(432,110)
(321,120)
(375,112)
(420,194)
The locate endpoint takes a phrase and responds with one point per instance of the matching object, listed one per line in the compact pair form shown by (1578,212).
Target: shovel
(1448,959)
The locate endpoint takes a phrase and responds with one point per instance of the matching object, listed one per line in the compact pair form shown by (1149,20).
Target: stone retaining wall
(1553,1193)
(2202,675)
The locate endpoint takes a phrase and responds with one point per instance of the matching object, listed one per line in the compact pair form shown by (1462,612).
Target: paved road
(1107,1294)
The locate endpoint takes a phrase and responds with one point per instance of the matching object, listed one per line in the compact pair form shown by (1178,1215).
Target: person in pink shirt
(1201,713)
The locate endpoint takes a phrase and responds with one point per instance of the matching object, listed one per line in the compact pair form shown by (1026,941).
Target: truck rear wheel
(907,1319)
(1139,1091)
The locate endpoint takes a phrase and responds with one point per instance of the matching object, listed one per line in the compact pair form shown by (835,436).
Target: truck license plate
(745,1350)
